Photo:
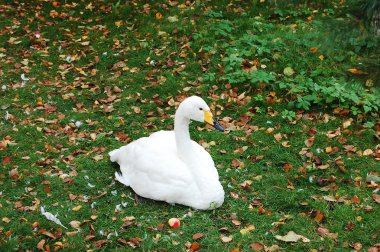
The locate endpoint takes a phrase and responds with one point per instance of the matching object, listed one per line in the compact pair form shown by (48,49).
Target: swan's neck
(182,137)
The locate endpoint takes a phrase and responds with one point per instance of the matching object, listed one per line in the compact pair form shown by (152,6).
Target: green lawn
(79,79)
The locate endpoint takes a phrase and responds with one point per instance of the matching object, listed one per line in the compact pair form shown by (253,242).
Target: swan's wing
(151,166)
(206,160)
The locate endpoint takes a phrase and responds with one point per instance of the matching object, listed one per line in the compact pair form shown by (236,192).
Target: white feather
(51,217)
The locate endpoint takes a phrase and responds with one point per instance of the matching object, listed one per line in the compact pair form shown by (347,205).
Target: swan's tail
(113,155)
(119,177)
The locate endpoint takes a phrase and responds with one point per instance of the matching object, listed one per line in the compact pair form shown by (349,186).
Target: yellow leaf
(288,71)
(248,229)
(173,3)
(77,208)
(321,57)
(328,149)
(118,23)
(128,218)
(367,152)
(158,16)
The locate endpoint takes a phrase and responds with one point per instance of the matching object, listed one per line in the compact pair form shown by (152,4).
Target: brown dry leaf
(292,237)
(319,216)
(236,222)
(7,160)
(278,137)
(355,199)
(328,149)
(40,244)
(309,142)
(6,219)
(89,237)
(324,232)
(225,239)
(329,198)
(287,167)
(198,236)
(75,224)
(14,174)
(98,157)
(367,152)
(356,71)
(286,144)
(347,123)
(257,246)
(376,198)
(158,16)
(313,49)
(274,248)
(100,243)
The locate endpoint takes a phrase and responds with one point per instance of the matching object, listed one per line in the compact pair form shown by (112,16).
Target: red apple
(174,223)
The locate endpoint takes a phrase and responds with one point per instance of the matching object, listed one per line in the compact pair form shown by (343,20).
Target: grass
(64,120)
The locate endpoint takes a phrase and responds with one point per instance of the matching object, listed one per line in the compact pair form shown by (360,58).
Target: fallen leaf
(100,243)
(198,236)
(172,19)
(313,49)
(14,174)
(158,16)
(292,237)
(367,152)
(225,239)
(376,198)
(309,142)
(77,208)
(288,71)
(75,224)
(195,246)
(257,246)
(329,198)
(355,199)
(40,244)
(356,71)
(248,229)
(7,160)
(98,157)
(278,137)
(324,232)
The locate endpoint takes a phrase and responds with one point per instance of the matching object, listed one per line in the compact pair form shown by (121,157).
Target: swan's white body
(169,166)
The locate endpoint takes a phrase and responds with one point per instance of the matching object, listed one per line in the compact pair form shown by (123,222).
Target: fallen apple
(174,223)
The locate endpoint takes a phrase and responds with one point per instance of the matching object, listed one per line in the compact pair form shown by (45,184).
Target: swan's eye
(200,108)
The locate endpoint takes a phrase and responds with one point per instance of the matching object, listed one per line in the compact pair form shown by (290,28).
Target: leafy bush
(254,51)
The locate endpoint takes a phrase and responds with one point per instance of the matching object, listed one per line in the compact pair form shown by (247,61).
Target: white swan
(169,166)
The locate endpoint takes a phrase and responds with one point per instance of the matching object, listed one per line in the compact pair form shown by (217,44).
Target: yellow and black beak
(213,122)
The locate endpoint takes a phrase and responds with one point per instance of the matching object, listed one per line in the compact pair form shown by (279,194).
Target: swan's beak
(213,122)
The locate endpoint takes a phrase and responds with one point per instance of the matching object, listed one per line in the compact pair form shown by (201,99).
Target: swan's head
(195,108)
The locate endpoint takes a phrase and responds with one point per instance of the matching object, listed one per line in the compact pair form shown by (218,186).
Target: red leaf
(257,246)
(100,243)
(195,246)
(355,199)
(7,160)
